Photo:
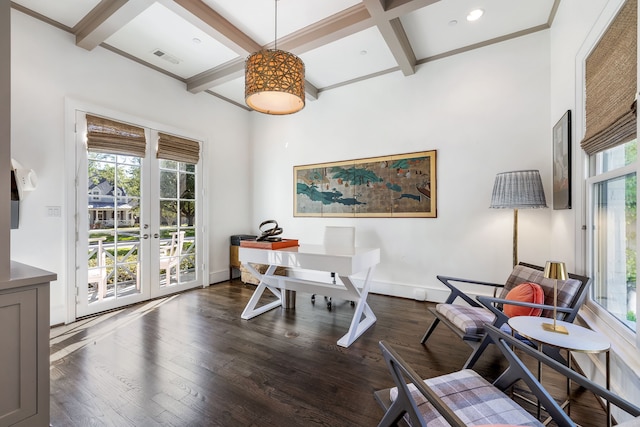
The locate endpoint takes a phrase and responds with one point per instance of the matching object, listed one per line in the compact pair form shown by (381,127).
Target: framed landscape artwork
(402,185)
(562,163)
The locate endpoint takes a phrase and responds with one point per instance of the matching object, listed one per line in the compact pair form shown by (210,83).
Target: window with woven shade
(179,149)
(110,136)
(611,84)
(610,140)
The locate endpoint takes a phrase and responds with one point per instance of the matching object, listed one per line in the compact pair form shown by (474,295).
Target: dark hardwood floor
(189,360)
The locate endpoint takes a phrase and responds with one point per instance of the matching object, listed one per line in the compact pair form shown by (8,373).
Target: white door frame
(72,225)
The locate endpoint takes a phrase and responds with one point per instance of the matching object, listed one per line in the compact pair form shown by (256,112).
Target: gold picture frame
(395,186)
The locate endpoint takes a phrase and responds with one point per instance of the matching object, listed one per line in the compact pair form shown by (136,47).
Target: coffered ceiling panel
(66,12)
(349,58)
(256,18)
(161,38)
(204,43)
(443,27)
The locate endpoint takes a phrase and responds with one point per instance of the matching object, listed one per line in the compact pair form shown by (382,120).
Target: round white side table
(578,339)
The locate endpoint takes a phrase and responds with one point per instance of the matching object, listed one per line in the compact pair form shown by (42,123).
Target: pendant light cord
(275,32)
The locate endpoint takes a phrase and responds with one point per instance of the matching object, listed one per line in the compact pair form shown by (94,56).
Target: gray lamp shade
(518,190)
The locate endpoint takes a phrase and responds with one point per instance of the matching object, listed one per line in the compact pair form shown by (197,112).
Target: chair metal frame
(516,371)
(479,342)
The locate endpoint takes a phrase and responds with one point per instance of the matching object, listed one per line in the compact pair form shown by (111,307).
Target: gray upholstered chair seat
(470,397)
(470,320)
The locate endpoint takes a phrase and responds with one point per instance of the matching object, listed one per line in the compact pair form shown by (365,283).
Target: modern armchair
(468,320)
(463,398)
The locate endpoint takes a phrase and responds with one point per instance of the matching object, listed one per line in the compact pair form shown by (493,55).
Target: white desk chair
(340,240)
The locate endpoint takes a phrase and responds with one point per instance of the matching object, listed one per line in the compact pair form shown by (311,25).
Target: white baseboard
(416,292)
(219,276)
(402,290)
(410,291)
(58,315)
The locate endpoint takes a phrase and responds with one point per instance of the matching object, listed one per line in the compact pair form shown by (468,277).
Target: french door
(137,224)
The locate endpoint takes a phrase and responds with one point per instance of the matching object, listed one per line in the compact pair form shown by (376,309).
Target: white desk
(344,263)
(579,339)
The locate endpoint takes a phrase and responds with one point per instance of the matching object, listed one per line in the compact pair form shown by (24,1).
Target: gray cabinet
(24,347)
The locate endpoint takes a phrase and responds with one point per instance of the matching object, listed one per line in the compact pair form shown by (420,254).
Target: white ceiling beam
(214,24)
(216,76)
(328,30)
(111,15)
(105,19)
(398,8)
(342,24)
(385,15)
(311,92)
(398,42)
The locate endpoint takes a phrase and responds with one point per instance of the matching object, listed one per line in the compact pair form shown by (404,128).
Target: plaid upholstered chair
(468,320)
(464,398)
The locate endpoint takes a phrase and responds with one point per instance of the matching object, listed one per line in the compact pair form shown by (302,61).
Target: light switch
(53,211)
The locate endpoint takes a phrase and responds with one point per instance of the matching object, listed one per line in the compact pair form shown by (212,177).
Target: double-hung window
(612,244)
(610,73)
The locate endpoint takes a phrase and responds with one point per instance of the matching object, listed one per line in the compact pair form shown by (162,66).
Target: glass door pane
(177,217)
(136,227)
(113,211)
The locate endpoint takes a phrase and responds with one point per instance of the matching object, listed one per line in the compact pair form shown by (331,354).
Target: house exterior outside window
(105,200)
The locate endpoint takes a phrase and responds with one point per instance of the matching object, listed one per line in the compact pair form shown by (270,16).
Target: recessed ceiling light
(453,23)
(196,40)
(363,52)
(474,15)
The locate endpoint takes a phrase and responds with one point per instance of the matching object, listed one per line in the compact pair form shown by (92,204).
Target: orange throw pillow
(524,292)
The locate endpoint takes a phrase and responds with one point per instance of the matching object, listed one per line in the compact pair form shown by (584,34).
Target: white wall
(574,32)
(485,111)
(48,68)
(568,33)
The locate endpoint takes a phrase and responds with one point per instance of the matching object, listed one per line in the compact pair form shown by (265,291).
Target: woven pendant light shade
(274,82)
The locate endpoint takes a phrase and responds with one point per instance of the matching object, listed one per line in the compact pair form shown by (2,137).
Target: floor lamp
(518,190)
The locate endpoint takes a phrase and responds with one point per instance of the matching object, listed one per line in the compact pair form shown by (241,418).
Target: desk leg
(358,324)
(250,311)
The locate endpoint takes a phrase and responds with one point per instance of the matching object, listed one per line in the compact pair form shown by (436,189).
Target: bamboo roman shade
(109,136)
(611,84)
(179,149)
